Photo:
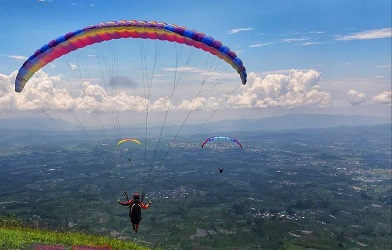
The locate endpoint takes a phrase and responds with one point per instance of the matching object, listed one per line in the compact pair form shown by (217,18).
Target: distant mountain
(295,121)
(43,124)
(291,121)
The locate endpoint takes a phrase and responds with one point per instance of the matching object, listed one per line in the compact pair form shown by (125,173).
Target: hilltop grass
(15,235)
(18,237)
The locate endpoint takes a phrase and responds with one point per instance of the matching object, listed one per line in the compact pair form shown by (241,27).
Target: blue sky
(337,52)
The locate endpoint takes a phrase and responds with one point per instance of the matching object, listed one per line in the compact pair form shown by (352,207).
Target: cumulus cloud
(383,98)
(355,98)
(33,99)
(367,34)
(41,93)
(162,104)
(234,31)
(298,88)
(295,88)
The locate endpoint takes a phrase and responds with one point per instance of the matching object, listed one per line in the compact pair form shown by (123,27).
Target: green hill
(14,235)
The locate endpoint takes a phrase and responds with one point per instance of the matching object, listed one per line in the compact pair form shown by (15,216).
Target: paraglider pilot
(135,210)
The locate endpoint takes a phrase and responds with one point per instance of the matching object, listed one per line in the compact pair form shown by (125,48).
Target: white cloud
(367,34)
(384,66)
(286,89)
(355,98)
(291,40)
(384,98)
(182,68)
(234,31)
(162,104)
(311,43)
(73,66)
(41,93)
(198,103)
(259,45)
(16,57)
(298,88)
(296,41)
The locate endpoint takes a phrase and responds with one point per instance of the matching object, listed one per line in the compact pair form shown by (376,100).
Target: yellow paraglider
(128,139)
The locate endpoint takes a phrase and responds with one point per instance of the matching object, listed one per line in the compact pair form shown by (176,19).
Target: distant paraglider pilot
(135,210)
(220,170)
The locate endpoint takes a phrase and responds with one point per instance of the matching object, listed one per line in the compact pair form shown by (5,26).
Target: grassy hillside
(13,235)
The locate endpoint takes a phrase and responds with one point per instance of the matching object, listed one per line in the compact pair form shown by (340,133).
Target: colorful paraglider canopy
(124,29)
(129,140)
(213,138)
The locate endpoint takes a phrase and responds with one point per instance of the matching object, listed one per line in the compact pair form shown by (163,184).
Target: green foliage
(320,244)
(10,220)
